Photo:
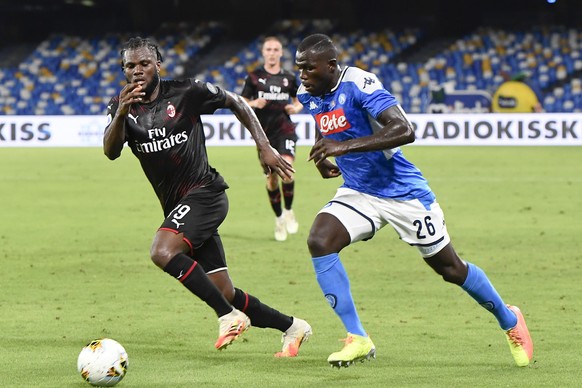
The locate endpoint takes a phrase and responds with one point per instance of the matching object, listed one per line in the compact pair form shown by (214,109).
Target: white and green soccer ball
(102,362)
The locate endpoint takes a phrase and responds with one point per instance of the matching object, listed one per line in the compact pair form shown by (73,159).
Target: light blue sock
(333,281)
(480,288)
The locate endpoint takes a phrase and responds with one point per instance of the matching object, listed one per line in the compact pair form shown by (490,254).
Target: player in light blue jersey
(362,125)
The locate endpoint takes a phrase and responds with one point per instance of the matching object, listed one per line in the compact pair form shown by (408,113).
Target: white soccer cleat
(280,229)
(231,326)
(290,221)
(298,333)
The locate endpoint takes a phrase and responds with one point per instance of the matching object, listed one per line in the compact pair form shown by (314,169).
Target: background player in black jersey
(272,91)
(160,121)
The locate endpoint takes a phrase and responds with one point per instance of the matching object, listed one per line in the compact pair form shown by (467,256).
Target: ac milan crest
(171,110)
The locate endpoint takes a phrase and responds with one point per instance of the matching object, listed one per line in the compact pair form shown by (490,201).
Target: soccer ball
(103,362)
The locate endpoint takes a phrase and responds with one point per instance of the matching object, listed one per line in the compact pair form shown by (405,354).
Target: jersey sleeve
(111,109)
(371,92)
(378,102)
(208,97)
(248,90)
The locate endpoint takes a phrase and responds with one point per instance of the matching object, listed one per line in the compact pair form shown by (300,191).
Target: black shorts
(283,138)
(284,143)
(198,216)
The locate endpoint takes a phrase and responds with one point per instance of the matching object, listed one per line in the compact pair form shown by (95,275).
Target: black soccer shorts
(198,216)
(284,143)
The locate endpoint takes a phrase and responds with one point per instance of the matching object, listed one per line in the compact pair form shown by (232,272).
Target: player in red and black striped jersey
(272,92)
(160,121)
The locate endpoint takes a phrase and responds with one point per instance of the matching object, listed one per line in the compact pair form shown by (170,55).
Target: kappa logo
(263,81)
(334,121)
(134,118)
(368,81)
(312,105)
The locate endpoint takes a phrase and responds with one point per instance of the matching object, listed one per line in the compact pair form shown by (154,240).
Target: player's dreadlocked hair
(317,43)
(139,42)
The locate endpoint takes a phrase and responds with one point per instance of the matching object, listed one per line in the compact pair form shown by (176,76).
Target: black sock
(275,199)
(193,277)
(288,193)
(260,314)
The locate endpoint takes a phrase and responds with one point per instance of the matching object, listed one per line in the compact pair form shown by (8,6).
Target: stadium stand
(68,74)
(73,75)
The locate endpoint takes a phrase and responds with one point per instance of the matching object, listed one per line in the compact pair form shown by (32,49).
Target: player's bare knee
(161,257)
(319,244)
(272,182)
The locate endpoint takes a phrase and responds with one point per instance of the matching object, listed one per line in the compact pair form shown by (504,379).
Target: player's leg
(326,239)
(192,222)
(295,331)
(475,282)
(287,151)
(274,194)
(334,228)
(167,252)
(191,274)
(421,224)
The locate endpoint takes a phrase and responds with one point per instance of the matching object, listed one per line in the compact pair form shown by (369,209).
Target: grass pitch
(75,232)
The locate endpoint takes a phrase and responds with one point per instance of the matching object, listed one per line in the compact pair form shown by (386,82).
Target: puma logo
(178,224)
(132,117)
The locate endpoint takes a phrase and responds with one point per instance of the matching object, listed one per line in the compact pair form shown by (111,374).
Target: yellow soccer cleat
(519,340)
(356,348)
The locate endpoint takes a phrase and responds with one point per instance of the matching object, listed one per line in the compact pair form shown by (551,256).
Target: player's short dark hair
(139,42)
(317,43)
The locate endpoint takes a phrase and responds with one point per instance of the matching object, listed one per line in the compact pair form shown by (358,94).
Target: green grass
(75,232)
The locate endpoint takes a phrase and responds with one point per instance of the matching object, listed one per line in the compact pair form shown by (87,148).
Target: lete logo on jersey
(332,122)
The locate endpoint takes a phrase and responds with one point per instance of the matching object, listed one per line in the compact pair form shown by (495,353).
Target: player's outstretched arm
(269,156)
